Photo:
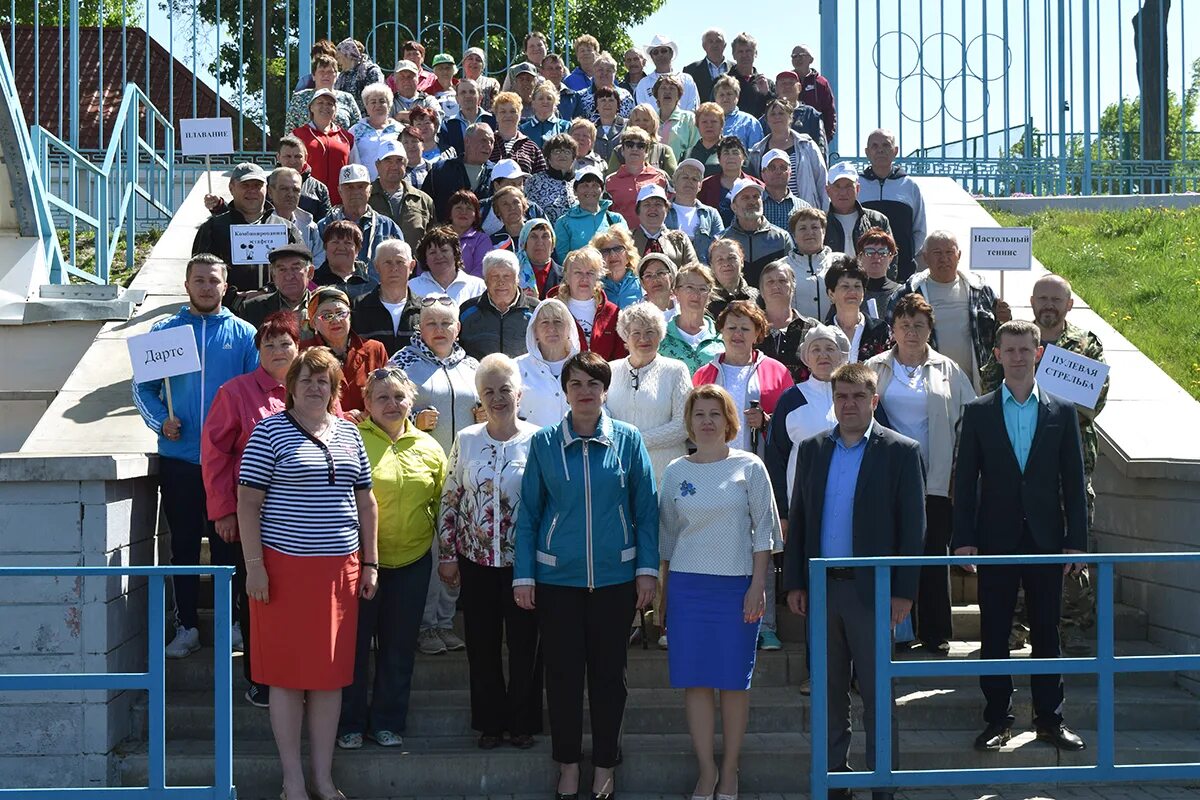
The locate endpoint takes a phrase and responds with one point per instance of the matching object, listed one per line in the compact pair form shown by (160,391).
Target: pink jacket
(239,405)
(769,380)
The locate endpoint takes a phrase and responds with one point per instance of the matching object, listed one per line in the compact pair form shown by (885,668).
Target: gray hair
(377,90)
(497,259)
(642,312)
(781,266)
(941,235)
(476,51)
(397,247)
(283,172)
(498,365)
(470,82)
(442,308)
(606,58)
(885,133)
(479,127)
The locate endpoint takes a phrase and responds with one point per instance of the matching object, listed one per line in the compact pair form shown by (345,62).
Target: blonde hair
(586,256)
(317,360)
(711,391)
(620,235)
(648,109)
(508,98)
(389,374)
(710,108)
(498,364)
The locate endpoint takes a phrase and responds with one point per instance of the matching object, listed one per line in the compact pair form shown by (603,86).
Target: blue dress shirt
(837,518)
(1020,419)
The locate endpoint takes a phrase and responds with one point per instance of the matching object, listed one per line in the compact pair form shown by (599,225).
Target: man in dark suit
(714,64)
(1019,488)
(859,492)
(472,170)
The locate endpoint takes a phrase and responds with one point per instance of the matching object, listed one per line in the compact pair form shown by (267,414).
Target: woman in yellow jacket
(408,469)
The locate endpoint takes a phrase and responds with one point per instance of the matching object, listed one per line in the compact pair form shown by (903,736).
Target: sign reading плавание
(206,137)
(1074,378)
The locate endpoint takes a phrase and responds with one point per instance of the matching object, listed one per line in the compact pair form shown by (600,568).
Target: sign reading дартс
(1002,248)
(163,353)
(206,137)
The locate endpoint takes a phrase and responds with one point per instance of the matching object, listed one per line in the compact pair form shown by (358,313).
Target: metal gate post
(829,51)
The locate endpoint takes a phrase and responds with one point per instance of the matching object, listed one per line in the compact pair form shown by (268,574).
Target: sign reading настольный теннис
(1002,248)
(1072,377)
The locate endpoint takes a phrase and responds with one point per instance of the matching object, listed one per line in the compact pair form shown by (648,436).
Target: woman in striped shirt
(305,514)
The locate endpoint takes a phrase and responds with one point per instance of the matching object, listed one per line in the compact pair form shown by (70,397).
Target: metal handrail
(128,151)
(152,681)
(1105,665)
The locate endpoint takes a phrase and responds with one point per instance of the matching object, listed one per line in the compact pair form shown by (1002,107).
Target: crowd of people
(569,350)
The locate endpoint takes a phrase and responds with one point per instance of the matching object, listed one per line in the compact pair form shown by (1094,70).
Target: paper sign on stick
(1002,248)
(205,137)
(161,354)
(251,244)
(1072,377)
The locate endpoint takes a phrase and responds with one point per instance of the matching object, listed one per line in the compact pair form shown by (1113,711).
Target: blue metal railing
(132,169)
(1105,665)
(153,681)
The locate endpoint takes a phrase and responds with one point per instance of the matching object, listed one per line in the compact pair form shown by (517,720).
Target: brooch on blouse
(686,488)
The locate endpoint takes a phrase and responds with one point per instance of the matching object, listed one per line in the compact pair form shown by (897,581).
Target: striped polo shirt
(310,483)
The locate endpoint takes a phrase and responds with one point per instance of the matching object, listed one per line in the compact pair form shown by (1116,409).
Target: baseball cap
(508,169)
(651,190)
(248,171)
(691,162)
(389,148)
(588,172)
(444,58)
(289,249)
(842,169)
(787,73)
(742,184)
(775,155)
(523,68)
(404,65)
(319,93)
(353,173)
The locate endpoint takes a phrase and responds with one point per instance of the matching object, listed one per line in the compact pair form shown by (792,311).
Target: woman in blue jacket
(587,539)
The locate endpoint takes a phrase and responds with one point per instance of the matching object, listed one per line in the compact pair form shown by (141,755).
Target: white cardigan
(655,408)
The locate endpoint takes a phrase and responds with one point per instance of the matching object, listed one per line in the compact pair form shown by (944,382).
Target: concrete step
(447,712)
(653,763)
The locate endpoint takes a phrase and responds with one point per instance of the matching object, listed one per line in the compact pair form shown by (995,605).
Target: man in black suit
(714,64)
(1019,488)
(472,171)
(859,492)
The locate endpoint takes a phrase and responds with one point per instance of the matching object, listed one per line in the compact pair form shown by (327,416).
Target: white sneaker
(186,642)
(236,642)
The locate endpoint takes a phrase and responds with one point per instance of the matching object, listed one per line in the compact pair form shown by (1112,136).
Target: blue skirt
(711,645)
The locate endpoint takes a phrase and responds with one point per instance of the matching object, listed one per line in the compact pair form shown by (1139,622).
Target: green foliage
(89,15)
(1139,270)
(1120,126)
(271,39)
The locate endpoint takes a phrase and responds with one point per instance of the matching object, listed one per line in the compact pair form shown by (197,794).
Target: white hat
(353,173)
(842,169)
(775,155)
(742,184)
(589,172)
(690,162)
(651,190)
(662,41)
(507,169)
(830,333)
(389,148)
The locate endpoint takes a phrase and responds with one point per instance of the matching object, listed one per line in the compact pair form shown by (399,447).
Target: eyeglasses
(876,251)
(655,276)
(612,250)
(431,299)
(690,289)
(635,144)
(333,316)
(635,378)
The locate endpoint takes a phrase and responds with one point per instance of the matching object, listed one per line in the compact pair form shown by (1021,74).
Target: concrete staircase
(1157,721)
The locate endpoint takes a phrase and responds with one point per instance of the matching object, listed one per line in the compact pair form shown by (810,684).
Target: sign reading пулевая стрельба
(1074,378)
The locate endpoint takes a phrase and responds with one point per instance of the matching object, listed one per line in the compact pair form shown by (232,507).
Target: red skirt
(304,637)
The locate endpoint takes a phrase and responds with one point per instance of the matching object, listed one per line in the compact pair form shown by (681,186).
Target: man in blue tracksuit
(226,347)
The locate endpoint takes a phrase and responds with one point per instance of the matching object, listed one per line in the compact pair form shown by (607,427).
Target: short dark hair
(591,365)
(465,197)
(731,142)
(419,112)
(206,260)
(875,236)
(559,141)
(289,140)
(844,266)
(440,236)
(857,374)
(343,229)
(913,305)
(607,92)
(1019,327)
(323,60)
(413,44)
(749,310)
(280,323)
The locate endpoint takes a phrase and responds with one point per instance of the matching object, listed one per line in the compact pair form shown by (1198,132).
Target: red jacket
(604,340)
(623,188)
(362,357)
(327,154)
(816,92)
(769,380)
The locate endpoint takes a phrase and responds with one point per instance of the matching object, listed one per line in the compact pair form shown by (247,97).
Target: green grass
(85,253)
(1138,269)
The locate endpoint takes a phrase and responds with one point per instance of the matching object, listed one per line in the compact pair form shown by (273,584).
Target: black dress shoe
(994,736)
(487,742)
(565,796)
(1062,737)
(521,741)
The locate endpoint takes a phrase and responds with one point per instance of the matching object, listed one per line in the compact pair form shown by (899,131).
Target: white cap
(389,148)
(842,169)
(690,162)
(662,41)
(508,169)
(775,155)
(589,172)
(353,173)
(742,184)
(651,190)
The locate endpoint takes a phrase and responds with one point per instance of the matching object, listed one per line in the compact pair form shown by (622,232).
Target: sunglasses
(387,372)
(612,250)
(635,144)
(660,51)
(432,299)
(333,316)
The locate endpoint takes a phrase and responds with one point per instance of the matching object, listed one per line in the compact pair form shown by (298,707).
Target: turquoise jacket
(625,293)
(576,228)
(589,508)
(709,347)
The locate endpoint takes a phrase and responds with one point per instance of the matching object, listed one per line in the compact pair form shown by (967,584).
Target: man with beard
(1051,301)
(226,346)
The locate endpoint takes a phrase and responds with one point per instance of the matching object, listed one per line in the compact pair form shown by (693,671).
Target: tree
(268,38)
(89,15)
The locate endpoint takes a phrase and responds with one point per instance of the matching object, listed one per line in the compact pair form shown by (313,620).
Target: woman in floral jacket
(476,527)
